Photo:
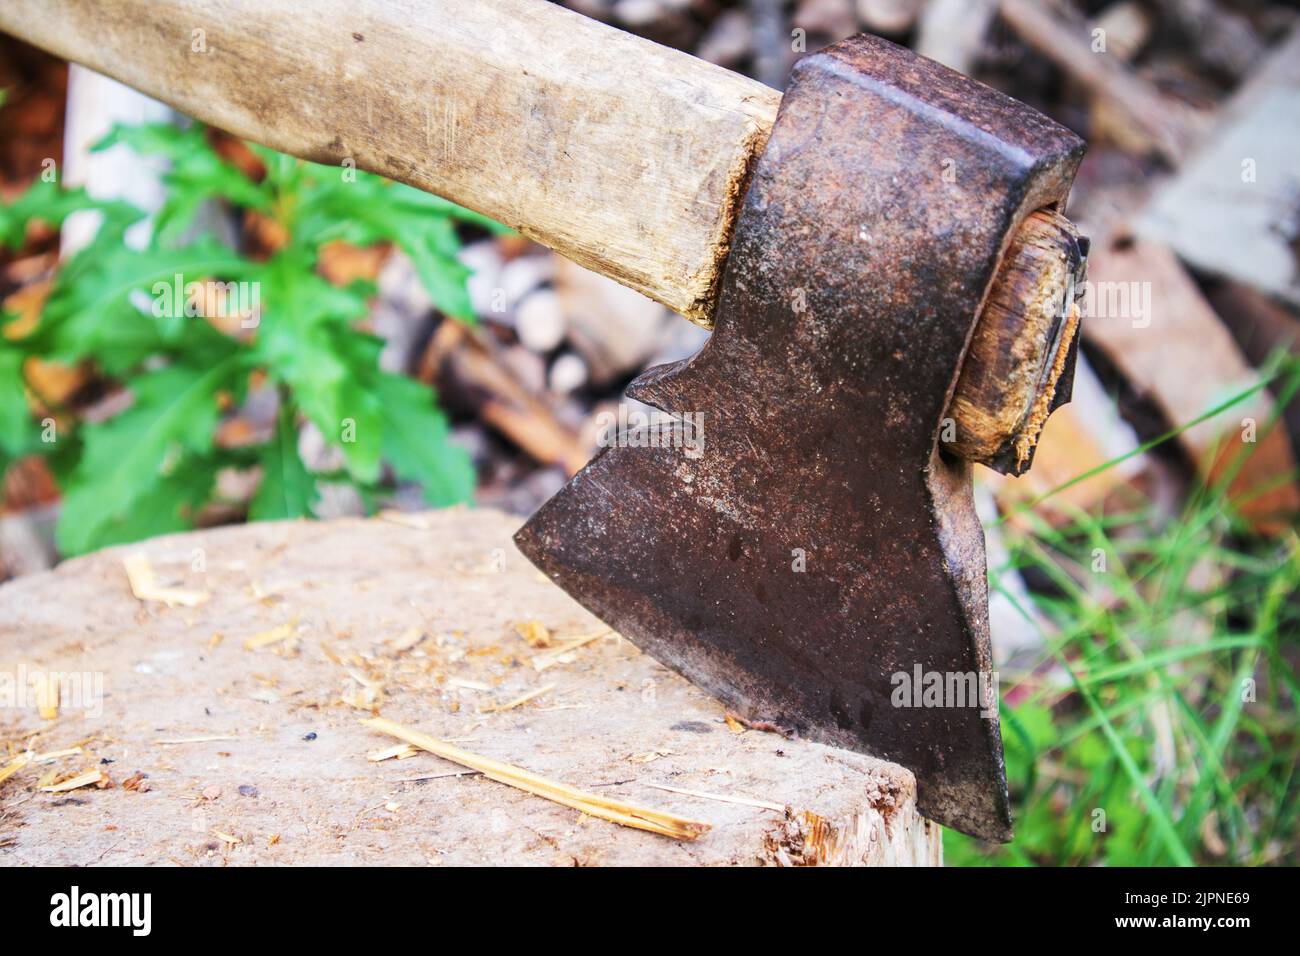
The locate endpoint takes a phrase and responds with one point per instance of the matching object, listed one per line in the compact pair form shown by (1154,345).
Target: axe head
(799,546)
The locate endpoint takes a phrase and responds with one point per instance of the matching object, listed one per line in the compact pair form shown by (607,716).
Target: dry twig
(145,586)
(625,814)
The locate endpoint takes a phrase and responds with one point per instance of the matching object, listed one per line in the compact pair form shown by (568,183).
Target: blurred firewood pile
(1190,193)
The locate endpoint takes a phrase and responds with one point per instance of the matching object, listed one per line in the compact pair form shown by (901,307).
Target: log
(416,617)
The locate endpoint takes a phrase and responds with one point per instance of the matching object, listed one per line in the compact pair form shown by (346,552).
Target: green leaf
(195,174)
(363,209)
(46,201)
(288,489)
(15,418)
(119,306)
(306,342)
(416,441)
(143,467)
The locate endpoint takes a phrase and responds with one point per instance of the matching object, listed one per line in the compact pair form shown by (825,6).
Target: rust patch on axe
(818,543)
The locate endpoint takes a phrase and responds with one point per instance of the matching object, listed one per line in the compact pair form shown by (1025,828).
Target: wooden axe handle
(623,155)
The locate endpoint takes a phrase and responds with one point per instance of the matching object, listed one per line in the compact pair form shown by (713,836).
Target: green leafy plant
(132,312)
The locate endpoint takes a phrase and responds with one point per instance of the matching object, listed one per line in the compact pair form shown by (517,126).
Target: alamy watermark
(1117,300)
(62,690)
(209,299)
(922,688)
(631,427)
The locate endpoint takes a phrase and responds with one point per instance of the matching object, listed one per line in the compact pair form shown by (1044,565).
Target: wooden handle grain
(625,156)
(621,154)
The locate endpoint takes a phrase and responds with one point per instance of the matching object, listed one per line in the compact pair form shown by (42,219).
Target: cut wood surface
(229,747)
(627,157)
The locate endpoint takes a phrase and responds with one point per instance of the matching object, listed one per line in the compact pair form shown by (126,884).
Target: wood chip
(53,755)
(721,797)
(13,766)
(145,586)
(511,705)
(624,814)
(81,780)
(226,837)
(397,751)
(535,633)
(559,653)
(264,638)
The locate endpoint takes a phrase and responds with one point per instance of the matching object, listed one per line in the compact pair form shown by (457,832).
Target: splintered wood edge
(1015,360)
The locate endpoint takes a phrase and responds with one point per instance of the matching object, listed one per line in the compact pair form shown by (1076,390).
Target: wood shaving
(13,766)
(535,633)
(265,638)
(53,755)
(226,838)
(518,701)
(81,780)
(592,804)
(397,751)
(145,586)
(560,653)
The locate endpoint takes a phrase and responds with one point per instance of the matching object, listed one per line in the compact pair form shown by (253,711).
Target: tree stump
(230,731)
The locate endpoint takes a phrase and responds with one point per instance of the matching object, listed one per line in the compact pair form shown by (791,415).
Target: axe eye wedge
(1019,367)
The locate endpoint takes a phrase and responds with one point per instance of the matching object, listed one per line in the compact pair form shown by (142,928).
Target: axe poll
(883,252)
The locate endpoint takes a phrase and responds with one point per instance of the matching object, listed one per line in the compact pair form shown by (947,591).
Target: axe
(880,253)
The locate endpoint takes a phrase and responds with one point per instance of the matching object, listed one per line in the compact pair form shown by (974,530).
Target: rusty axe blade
(802,549)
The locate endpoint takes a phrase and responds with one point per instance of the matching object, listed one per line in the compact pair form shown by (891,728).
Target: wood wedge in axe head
(882,257)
